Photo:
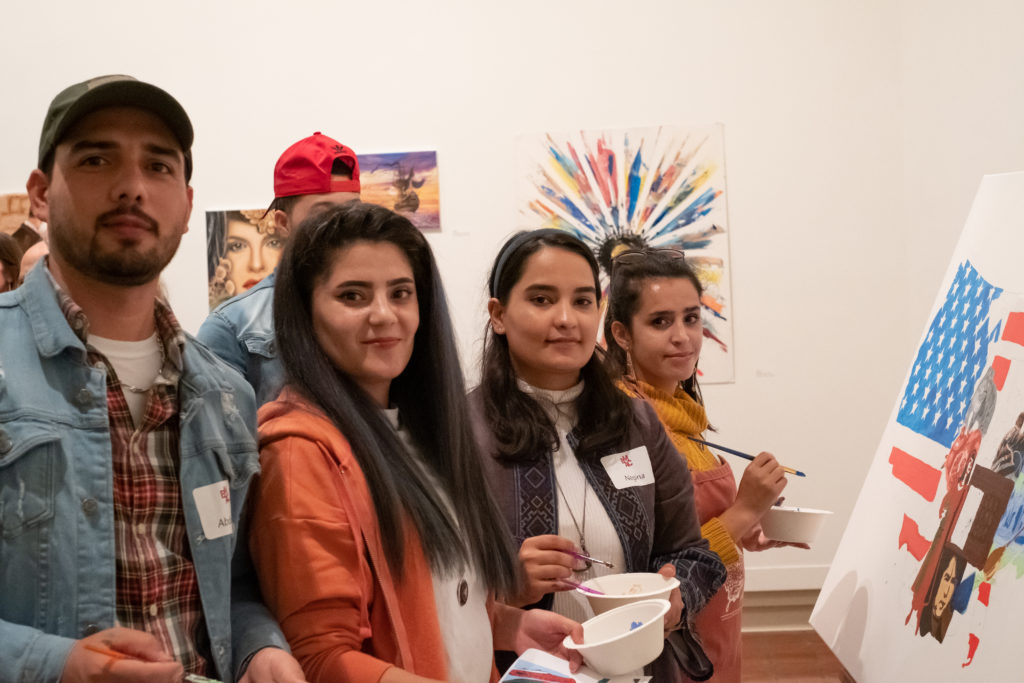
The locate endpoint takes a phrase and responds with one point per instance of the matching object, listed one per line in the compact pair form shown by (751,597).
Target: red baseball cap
(305,167)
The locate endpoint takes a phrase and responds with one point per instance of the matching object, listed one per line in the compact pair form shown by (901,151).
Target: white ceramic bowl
(793,524)
(623,639)
(622,589)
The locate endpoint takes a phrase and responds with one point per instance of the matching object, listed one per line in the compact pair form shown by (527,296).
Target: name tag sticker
(214,505)
(632,468)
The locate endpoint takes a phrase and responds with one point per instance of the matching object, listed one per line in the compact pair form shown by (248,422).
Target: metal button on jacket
(89,506)
(83,399)
(463,592)
(90,629)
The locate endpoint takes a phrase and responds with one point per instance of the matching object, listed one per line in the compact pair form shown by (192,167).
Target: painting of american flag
(951,359)
(928,580)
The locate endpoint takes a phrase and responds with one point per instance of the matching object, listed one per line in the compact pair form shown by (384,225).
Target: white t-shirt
(461,599)
(137,363)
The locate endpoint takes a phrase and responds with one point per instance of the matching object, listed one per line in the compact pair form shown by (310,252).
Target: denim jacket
(241,332)
(57,568)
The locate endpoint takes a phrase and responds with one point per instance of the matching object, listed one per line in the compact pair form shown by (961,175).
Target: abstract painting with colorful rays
(662,186)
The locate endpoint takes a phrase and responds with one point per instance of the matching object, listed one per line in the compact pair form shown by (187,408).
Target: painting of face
(665,335)
(944,591)
(366,313)
(242,248)
(550,318)
(252,253)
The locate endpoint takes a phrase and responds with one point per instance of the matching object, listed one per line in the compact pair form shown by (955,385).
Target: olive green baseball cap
(75,102)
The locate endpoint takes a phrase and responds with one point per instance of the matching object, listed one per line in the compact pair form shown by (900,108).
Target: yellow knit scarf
(682,417)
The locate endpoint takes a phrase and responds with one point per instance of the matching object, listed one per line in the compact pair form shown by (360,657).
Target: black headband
(511,247)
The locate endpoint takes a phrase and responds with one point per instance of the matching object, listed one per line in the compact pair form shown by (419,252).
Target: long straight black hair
(429,393)
(522,430)
(627,284)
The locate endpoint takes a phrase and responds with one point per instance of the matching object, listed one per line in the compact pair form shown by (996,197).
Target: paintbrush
(588,558)
(788,470)
(585,589)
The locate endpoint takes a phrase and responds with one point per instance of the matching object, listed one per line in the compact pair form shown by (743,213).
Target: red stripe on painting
(984,591)
(915,473)
(911,537)
(1002,367)
(1014,330)
(972,646)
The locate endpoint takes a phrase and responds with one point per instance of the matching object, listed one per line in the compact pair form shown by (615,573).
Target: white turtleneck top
(600,538)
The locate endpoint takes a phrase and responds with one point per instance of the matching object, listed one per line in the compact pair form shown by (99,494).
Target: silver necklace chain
(581,530)
(159,375)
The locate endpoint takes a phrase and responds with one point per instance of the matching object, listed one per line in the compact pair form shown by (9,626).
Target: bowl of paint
(624,639)
(622,589)
(793,524)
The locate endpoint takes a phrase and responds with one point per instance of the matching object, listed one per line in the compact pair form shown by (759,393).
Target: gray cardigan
(656,524)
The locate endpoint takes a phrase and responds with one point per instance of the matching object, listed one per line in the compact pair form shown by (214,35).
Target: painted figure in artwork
(1010,455)
(243,247)
(938,609)
(406,186)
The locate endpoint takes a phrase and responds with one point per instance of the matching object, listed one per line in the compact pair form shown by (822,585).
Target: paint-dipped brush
(788,470)
(580,586)
(588,558)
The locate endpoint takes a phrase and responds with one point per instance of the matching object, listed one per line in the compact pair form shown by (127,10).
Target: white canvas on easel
(928,581)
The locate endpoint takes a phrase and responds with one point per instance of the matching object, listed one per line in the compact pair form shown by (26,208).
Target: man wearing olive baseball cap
(127,448)
(312,175)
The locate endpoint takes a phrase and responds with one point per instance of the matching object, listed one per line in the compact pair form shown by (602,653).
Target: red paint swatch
(1014,330)
(984,590)
(972,646)
(911,537)
(1001,366)
(915,473)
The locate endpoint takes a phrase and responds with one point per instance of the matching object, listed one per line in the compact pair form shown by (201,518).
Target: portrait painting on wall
(242,248)
(16,219)
(405,182)
(928,581)
(656,187)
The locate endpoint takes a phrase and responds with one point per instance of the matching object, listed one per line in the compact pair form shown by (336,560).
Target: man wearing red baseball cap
(314,174)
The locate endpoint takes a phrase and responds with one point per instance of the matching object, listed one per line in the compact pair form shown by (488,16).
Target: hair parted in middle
(627,283)
(429,393)
(522,430)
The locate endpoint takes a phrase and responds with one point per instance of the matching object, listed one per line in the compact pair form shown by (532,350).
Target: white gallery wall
(855,136)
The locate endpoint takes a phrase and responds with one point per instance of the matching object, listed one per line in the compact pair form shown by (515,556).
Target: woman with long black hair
(577,467)
(376,543)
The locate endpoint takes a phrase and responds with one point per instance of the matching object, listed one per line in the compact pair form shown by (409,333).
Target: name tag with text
(214,505)
(632,468)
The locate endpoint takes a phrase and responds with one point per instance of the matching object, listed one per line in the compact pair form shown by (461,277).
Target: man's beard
(110,260)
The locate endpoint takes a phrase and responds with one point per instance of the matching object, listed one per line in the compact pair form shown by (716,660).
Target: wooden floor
(790,657)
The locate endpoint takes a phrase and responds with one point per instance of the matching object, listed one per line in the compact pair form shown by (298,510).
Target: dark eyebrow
(551,288)
(102,145)
(364,283)
(669,311)
(83,145)
(164,151)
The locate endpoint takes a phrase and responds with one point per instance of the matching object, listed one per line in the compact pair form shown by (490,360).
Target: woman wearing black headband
(576,466)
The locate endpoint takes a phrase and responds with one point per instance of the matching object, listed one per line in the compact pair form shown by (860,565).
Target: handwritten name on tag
(632,468)
(214,505)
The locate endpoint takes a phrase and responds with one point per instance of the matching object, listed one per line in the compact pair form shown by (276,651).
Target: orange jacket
(317,548)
